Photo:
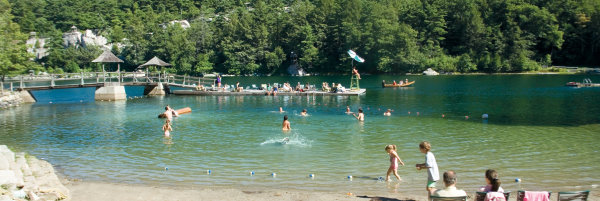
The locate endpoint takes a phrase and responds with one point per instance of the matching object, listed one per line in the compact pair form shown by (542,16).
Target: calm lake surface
(538,130)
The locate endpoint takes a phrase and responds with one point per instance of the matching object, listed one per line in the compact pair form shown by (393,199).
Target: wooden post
(52,80)
(22,84)
(11,87)
(97,78)
(158,76)
(82,79)
(119,72)
(103,74)
(183,83)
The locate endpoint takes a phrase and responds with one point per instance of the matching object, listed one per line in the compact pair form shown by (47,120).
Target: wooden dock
(250,92)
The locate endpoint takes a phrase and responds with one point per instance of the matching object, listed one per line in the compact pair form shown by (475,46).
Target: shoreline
(99,191)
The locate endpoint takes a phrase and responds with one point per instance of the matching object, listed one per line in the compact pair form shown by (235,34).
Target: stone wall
(10,99)
(28,178)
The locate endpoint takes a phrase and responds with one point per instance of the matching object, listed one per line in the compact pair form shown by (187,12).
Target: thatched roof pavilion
(108,57)
(155,61)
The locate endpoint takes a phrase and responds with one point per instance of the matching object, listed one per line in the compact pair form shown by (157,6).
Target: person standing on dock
(219,81)
(286,123)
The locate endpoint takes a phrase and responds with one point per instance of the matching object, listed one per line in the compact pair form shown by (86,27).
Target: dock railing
(99,78)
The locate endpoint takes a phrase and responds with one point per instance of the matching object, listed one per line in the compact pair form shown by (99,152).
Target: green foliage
(465,64)
(14,58)
(248,37)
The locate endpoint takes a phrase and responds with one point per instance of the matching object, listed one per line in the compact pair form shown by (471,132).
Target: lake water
(538,130)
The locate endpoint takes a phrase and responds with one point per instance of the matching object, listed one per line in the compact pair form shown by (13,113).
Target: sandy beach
(95,191)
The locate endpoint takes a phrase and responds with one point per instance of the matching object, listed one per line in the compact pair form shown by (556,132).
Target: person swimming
(286,123)
(167,128)
(360,116)
(303,113)
(388,112)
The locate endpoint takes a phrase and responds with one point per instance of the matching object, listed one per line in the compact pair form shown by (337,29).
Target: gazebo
(155,61)
(159,89)
(109,57)
(110,91)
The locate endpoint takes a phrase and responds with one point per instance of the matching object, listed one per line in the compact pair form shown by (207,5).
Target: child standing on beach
(167,128)
(394,159)
(431,165)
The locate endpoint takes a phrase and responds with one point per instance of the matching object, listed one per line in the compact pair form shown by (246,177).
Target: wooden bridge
(109,85)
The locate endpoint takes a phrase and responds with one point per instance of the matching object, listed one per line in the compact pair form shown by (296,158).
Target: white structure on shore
(430,71)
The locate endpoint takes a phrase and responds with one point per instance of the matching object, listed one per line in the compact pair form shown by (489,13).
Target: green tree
(14,58)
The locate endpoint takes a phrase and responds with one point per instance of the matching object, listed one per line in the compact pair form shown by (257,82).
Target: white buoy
(518,180)
(274,174)
(311,176)
(251,173)
(350,177)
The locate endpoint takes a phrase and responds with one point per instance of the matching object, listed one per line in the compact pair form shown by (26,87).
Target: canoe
(400,85)
(179,111)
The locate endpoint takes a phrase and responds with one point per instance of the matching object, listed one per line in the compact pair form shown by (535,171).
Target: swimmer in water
(348,109)
(360,116)
(388,112)
(303,113)
(281,110)
(167,128)
(286,123)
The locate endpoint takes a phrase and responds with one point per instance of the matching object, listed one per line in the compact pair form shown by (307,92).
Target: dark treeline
(258,36)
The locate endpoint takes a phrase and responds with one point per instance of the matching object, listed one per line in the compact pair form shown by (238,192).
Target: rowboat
(179,111)
(399,85)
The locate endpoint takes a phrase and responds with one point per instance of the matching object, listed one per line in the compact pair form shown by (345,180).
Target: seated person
(341,88)
(395,82)
(450,190)
(238,88)
(355,72)
(268,89)
(286,87)
(493,183)
(334,87)
(326,86)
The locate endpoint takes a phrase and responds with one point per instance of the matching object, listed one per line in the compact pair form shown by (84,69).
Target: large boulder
(90,38)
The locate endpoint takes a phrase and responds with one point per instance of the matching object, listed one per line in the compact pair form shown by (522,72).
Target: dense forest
(259,36)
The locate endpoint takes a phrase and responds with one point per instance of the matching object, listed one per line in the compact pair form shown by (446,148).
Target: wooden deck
(263,93)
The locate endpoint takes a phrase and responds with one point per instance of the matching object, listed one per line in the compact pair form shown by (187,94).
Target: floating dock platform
(251,92)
